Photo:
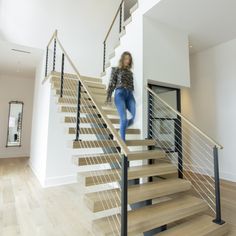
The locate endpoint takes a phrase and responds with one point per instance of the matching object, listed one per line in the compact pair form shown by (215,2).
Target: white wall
(210,102)
(15,89)
(82,26)
(40,124)
(166,54)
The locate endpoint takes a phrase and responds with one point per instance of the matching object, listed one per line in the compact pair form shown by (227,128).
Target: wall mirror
(15,116)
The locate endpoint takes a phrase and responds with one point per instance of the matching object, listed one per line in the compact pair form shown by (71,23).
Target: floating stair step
(66,75)
(123,32)
(129,20)
(90,120)
(104,200)
(103,74)
(95,159)
(199,226)
(95,144)
(103,131)
(107,65)
(73,101)
(86,110)
(73,94)
(83,109)
(112,55)
(153,216)
(147,154)
(146,142)
(73,84)
(134,8)
(91,79)
(94,91)
(104,143)
(113,175)
(73,89)
(95,85)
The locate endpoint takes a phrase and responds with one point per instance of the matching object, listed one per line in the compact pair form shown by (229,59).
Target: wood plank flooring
(26,209)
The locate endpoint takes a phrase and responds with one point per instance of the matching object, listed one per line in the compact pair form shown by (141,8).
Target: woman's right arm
(112,84)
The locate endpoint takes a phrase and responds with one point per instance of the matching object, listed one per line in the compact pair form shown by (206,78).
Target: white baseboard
(13,155)
(53,181)
(223,175)
(60,180)
(228,176)
(36,173)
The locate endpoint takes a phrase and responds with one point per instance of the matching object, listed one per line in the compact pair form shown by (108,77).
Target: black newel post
(62,74)
(54,54)
(46,66)
(78,112)
(178,145)
(218,219)
(124,196)
(121,15)
(104,55)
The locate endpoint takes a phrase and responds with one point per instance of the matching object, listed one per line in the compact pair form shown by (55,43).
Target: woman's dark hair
(121,62)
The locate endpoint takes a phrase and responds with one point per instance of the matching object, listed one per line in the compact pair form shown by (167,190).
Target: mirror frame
(9,110)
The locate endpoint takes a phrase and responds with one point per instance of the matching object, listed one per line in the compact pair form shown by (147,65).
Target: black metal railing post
(46,65)
(121,15)
(124,196)
(78,113)
(104,56)
(178,145)
(54,54)
(218,219)
(62,74)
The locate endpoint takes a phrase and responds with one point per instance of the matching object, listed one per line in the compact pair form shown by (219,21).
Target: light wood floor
(26,209)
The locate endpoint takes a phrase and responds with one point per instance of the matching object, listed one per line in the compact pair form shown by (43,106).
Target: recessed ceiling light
(21,51)
(190,46)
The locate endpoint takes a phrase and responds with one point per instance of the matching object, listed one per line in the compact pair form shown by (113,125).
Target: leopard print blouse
(120,78)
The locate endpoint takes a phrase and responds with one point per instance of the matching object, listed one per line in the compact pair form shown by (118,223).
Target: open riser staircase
(140,185)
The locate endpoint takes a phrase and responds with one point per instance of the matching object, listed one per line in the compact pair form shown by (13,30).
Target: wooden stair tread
(94,159)
(111,198)
(95,84)
(153,216)
(113,175)
(90,120)
(146,154)
(95,144)
(199,226)
(103,131)
(87,110)
(140,142)
(105,143)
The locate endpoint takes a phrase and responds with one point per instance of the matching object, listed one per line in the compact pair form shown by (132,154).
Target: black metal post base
(218,222)
(77,140)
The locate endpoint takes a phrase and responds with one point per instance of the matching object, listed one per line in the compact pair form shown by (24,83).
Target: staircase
(136,186)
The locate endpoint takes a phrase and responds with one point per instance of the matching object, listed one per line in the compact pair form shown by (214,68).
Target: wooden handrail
(53,37)
(113,22)
(187,120)
(121,143)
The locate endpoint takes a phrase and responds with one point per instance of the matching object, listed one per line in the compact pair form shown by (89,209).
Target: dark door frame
(178,126)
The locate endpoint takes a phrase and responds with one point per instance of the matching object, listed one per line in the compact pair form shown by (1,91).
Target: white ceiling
(18,64)
(208,22)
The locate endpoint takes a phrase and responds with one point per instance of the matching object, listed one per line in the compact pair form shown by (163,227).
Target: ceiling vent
(20,51)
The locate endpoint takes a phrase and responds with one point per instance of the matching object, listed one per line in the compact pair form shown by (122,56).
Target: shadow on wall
(128,5)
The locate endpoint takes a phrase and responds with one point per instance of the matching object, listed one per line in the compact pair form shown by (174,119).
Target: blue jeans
(124,100)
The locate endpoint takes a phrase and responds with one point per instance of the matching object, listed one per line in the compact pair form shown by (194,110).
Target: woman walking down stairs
(162,183)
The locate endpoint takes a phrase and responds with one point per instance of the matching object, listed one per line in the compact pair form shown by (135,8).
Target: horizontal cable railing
(74,93)
(194,153)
